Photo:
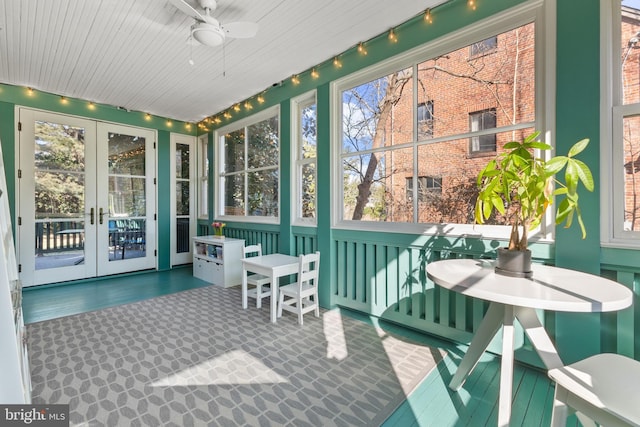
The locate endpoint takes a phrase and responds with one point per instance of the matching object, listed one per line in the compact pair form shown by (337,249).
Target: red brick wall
(458,84)
(630,48)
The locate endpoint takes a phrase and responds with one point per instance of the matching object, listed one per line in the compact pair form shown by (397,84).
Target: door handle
(91,214)
(101,213)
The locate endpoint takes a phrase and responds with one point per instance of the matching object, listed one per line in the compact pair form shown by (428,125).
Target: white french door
(86,198)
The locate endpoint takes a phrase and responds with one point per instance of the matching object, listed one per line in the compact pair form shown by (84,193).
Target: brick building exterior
(482,86)
(630,49)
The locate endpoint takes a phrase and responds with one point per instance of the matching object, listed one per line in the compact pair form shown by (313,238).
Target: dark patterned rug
(196,358)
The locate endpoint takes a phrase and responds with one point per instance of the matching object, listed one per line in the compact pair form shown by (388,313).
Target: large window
(248,178)
(426,185)
(425,120)
(479,121)
(625,66)
(304,150)
(391,136)
(483,47)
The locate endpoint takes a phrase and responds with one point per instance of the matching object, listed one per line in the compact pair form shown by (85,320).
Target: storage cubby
(217,260)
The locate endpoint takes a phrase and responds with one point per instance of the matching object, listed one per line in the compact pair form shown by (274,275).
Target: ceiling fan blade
(187,9)
(240,29)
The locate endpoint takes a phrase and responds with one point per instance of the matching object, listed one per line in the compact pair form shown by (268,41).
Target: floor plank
(52,301)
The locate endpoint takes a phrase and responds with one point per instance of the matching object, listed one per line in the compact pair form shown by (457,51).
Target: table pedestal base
(500,315)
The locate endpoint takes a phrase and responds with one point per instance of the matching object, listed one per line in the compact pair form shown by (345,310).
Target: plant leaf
(578,147)
(571,177)
(498,203)
(532,137)
(584,173)
(555,165)
(563,211)
(540,145)
(511,145)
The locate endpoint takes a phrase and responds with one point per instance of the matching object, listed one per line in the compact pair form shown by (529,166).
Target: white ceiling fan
(207,30)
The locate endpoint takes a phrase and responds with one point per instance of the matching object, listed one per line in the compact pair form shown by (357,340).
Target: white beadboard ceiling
(134,53)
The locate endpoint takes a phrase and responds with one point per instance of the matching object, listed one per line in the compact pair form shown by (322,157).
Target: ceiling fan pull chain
(224,60)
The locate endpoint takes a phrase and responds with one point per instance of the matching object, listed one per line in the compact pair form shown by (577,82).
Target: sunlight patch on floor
(232,368)
(334,334)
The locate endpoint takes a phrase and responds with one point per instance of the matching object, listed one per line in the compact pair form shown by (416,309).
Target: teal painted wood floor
(431,404)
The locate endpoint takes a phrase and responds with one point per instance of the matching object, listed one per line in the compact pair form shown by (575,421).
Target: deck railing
(58,236)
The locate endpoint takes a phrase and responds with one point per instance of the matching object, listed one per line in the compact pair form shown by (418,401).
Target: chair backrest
(253,249)
(308,269)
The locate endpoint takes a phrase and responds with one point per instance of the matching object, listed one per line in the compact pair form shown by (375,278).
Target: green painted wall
(286,239)
(7,137)
(577,117)
(324,197)
(164,208)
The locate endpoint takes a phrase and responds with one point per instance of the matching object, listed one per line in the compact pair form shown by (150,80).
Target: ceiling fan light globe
(207,34)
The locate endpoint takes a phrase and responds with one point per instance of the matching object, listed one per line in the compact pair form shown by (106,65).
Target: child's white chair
(605,388)
(258,281)
(302,296)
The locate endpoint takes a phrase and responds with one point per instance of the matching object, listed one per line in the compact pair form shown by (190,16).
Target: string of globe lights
(295,79)
(92,106)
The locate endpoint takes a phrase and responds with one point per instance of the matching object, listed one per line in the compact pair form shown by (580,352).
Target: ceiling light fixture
(207,34)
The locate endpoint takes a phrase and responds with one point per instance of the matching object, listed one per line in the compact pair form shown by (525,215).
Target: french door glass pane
(182,198)
(182,161)
(127,197)
(59,195)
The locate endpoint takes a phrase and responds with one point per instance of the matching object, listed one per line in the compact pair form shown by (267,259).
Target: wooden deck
(431,404)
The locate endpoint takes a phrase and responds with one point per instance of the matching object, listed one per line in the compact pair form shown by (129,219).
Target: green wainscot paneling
(268,235)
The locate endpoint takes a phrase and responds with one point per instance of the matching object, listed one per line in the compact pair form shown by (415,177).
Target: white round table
(550,288)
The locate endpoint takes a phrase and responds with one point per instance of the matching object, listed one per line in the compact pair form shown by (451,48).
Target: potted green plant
(521,186)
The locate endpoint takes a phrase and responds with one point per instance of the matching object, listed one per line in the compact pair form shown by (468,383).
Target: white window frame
(202,157)
(542,13)
(219,166)
(297,105)
(612,114)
